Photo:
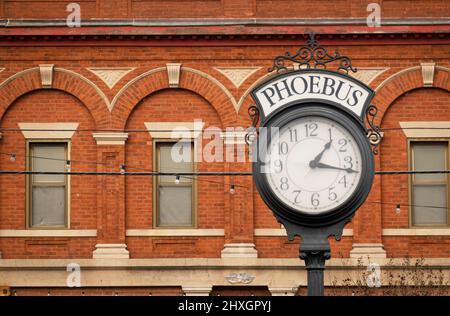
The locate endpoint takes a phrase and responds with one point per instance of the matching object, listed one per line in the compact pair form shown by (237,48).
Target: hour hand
(313,163)
(325,166)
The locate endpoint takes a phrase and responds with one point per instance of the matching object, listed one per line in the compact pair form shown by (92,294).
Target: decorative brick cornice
(285,32)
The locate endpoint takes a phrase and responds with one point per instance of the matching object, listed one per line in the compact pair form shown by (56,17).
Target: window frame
(155,195)
(29,185)
(411,179)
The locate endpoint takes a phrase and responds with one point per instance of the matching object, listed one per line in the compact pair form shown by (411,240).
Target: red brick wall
(175,247)
(47,106)
(150,100)
(171,106)
(223,8)
(416,105)
(47,247)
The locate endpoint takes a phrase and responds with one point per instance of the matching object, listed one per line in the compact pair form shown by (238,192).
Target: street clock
(313,162)
(315,165)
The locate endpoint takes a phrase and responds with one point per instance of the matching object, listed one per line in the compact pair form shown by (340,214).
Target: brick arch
(64,80)
(406,80)
(192,80)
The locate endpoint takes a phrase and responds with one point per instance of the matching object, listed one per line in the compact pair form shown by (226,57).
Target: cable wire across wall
(188,175)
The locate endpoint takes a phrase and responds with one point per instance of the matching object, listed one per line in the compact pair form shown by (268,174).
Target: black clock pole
(315,266)
(315,250)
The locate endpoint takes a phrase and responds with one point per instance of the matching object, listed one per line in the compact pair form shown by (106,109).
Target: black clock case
(333,219)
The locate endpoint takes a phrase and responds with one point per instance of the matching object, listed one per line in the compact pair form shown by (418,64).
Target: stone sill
(12,233)
(174,232)
(263,232)
(416,232)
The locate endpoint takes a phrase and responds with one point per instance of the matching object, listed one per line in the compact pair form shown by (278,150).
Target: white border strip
(174,232)
(267,232)
(48,233)
(416,232)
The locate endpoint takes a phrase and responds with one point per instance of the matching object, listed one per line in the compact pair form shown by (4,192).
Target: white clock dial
(314,164)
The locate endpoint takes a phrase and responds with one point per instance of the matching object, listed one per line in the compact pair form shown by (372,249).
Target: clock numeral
(343,143)
(278,166)
(343,181)
(293,135)
(297,196)
(283,148)
(315,199)
(331,195)
(329,132)
(311,129)
(284,184)
(349,163)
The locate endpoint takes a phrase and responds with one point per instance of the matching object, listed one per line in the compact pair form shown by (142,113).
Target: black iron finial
(312,55)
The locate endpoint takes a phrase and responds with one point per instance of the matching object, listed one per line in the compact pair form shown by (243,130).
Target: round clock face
(314,164)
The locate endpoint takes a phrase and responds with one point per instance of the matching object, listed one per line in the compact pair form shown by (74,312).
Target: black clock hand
(325,166)
(313,163)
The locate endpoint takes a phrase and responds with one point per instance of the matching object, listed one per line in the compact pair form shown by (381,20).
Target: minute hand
(325,166)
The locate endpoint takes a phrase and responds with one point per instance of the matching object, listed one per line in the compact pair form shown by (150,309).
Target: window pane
(175,206)
(429,156)
(48,206)
(54,151)
(435,195)
(167,163)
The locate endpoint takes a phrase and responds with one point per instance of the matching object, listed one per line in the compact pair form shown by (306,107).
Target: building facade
(105,96)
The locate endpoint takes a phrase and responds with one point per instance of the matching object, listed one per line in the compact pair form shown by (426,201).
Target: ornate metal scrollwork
(312,55)
(374,133)
(252,132)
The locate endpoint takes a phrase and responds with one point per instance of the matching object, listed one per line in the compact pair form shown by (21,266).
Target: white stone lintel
(175,130)
(48,130)
(426,129)
(110,138)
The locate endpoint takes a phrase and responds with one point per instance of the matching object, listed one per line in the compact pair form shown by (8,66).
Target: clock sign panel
(296,87)
(315,164)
